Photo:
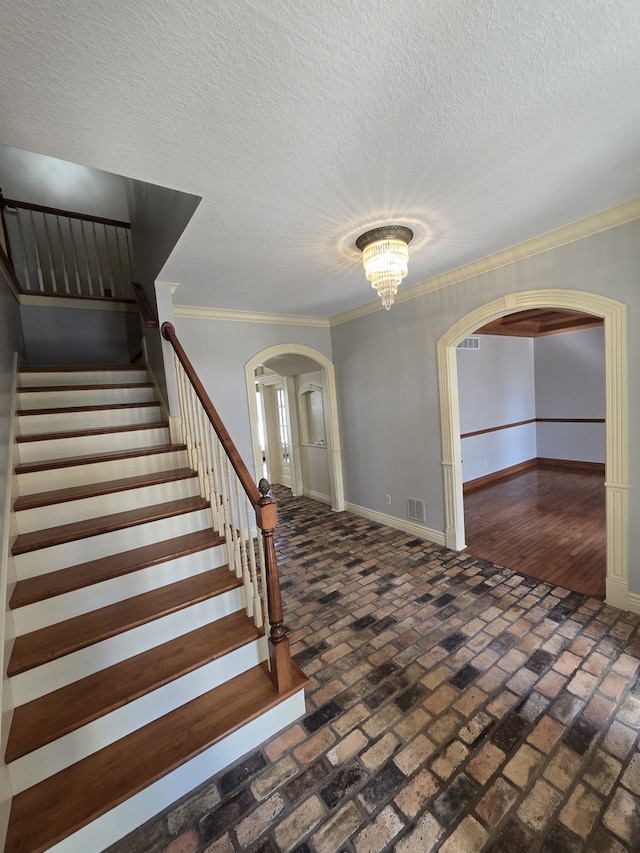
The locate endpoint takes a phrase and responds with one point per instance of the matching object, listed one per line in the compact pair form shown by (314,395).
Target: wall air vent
(416,510)
(469,343)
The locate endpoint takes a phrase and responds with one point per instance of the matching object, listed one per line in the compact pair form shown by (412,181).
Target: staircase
(135,673)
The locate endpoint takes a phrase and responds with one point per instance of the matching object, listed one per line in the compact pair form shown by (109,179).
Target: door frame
(333,432)
(614,315)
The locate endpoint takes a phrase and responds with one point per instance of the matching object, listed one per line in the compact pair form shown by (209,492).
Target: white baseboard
(317,496)
(409,527)
(633,602)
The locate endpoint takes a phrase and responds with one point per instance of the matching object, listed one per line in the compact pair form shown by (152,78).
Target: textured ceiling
(301,124)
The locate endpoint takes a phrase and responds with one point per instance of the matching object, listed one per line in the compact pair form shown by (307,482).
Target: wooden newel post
(279,654)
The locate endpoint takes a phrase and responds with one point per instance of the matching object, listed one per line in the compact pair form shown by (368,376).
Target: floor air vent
(416,510)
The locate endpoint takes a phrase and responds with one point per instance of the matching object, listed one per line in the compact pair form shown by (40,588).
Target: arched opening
(312,411)
(613,314)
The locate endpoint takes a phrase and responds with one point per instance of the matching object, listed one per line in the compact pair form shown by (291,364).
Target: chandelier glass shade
(385,257)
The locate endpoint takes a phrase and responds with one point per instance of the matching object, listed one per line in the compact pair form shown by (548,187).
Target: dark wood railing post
(279,653)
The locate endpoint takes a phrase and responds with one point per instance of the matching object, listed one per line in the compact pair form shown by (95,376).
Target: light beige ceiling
(478,123)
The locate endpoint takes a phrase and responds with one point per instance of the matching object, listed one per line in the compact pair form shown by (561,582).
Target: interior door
(277,434)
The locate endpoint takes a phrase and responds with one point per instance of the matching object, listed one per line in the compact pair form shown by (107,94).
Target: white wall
(570,384)
(496,387)
(387,374)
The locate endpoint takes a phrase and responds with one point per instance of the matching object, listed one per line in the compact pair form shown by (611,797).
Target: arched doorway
(332,436)
(613,314)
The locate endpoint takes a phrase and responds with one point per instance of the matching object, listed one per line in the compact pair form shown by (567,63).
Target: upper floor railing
(62,253)
(241,512)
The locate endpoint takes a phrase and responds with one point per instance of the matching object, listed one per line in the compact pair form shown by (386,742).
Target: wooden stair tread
(48,585)
(38,389)
(48,812)
(91,458)
(27,542)
(43,720)
(63,638)
(83,433)
(67,410)
(40,499)
(78,368)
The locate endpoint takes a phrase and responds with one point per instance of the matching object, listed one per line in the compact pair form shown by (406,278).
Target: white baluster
(62,255)
(52,272)
(263,587)
(25,265)
(123,278)
(74,255)
(253,532)
(37,251)
(85,249)
(114,294)
(228,530)
(98,264)
(246,578)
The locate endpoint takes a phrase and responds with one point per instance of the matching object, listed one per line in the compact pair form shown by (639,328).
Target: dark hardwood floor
(546,523)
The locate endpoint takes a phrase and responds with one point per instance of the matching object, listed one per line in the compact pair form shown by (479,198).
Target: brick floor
(453,705)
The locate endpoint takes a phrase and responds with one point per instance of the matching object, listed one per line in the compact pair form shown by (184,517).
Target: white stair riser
(33,379)
(57,673)
(50,759)
(68,554)
(97,472)
(132,813)
(98,419)
(67,512)
(32,617)
(43,450)
(57,399)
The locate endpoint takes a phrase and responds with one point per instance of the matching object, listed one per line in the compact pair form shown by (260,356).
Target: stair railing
(241,512)
(62,253)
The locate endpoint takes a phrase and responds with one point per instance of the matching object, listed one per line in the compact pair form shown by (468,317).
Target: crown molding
(603,221)
(192,312)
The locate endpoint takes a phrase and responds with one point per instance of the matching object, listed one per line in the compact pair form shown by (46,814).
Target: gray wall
(10,342)
(56,183)
(313,457)
(387,378)
(496,387)
(570,383)
(219,351)
(79,336)
(158,217)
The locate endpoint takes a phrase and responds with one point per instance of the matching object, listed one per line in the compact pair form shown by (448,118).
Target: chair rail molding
(614,315)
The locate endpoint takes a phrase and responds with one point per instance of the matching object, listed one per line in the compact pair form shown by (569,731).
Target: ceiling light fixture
(385,256)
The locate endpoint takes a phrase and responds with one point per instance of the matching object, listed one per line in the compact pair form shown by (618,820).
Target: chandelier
(385,257)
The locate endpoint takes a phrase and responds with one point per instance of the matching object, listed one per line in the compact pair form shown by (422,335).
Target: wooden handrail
(100,220)
(266,519)
(143,306)
(169,334)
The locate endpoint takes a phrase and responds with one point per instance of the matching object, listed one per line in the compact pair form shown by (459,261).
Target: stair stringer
(8,581)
